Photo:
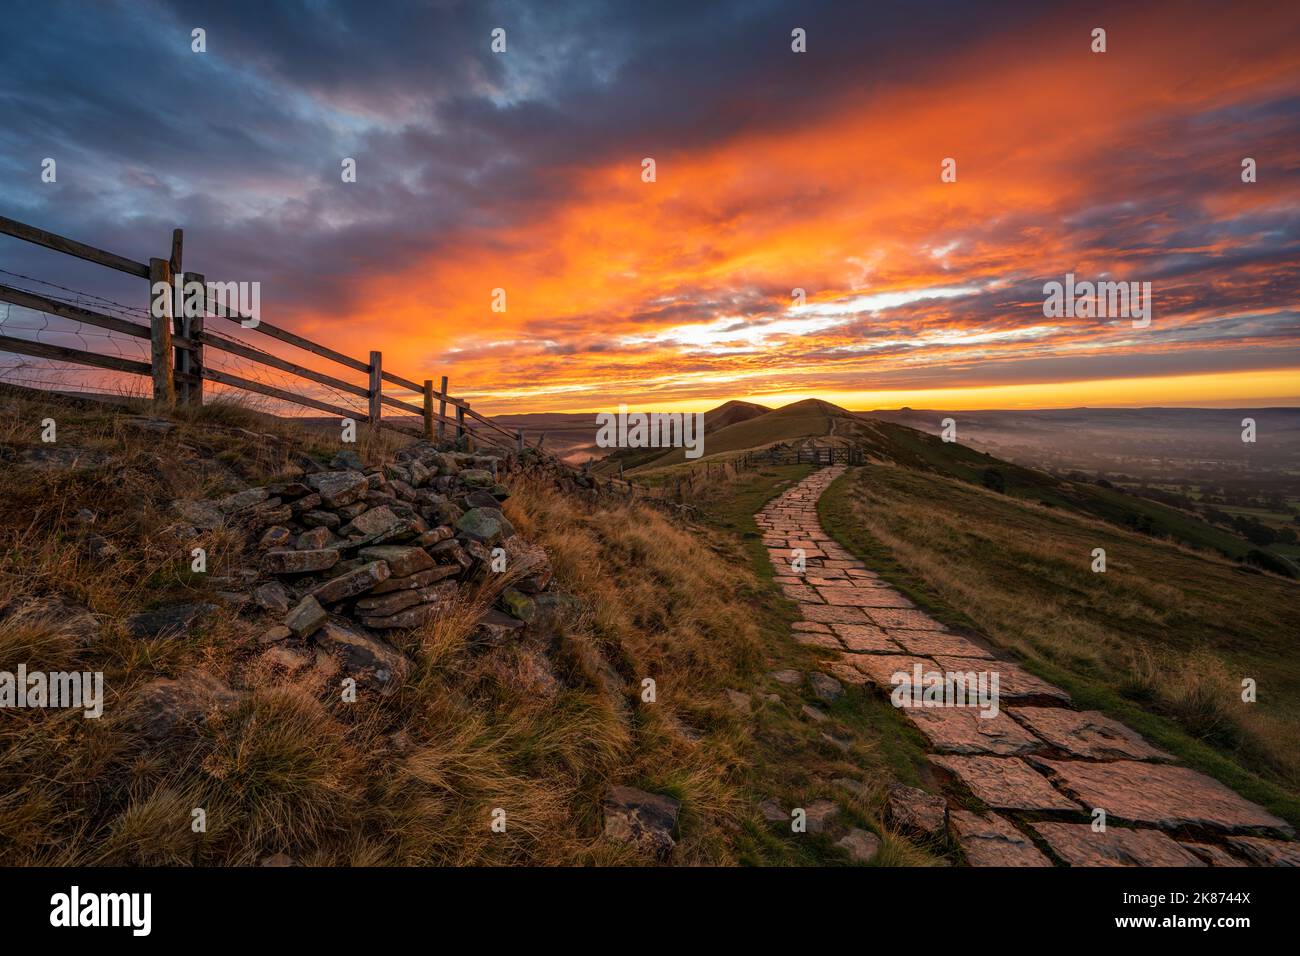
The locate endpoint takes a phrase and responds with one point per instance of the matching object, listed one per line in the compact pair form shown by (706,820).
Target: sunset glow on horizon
(817,172)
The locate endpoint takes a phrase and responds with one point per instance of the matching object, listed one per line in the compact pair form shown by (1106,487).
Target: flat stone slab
(1086,733)
(1266,852)
(1210,854)
(858,597)
(1005,783)
(961,730)
(992,841)
(1159,794)
(882,667)
(801,593)
(936,642)
(813,639)
(1014,682)
(865,639)
(827,614)
(903,619)
(1079,845)
(813,627)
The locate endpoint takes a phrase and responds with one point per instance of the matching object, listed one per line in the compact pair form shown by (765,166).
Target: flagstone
(1005,783)
(1159,794)
(1266,852)
(1078,844)
(992,841)
(832,615)
(1086,733)
(936,642)
(865,638)
(961,730)
(904,619)
(1014,682)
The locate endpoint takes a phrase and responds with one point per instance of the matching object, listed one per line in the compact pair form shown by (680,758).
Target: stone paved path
(1038,756)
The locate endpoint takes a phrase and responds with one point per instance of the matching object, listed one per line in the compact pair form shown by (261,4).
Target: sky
(775,171)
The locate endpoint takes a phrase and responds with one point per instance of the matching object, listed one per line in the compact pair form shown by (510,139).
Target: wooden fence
(179,336)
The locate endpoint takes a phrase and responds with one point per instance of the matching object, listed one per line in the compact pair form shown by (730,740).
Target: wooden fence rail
(179,336)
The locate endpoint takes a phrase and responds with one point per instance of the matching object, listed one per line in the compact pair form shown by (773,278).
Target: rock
(1211,855)
(1266,852)
(961,730)
(1086,733)
(201,514)
(819,815)
(992,841)
(168,621)
(402,560)
(411,617)
(1005,783)
(287,561)
(276,536)
(339,488)
(496,628)
(518,605)
(354,510)
(242,500)
(915,811)
(860,845)
(481,499)
(265,515)
(320,519)
(787,678)
(57,614)
(290,491)
(275,634)
(306,617)
(739,701)
(272,597)
(315,539)
(643,820)
(307,503)
(351,583)
(813,714)
(348,460)
(165,707)
(434,536)
(1079,845)
(773,812)
(529,565)
(1159,794)
(477,478)
(420,579)
(451,552)
(825,687)
(388,604)
(289,658)
(365,658)
(374,522)
(485,525)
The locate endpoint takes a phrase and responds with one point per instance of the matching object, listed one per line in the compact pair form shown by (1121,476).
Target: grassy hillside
(541,726)
(807,419)
(1161,640)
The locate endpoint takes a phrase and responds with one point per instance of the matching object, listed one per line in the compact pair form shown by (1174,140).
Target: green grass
(1160,642)
(792,762)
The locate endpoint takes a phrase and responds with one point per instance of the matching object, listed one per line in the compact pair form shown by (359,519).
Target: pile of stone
(345,555)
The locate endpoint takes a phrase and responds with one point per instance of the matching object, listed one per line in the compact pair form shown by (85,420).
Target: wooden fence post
(164,382)
(428,410)
(519,439)
(180,358)
(376,387)
(442,409)
(193,326)
(460,422)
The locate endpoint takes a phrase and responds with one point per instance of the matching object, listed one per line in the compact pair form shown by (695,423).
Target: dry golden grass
(539,728)
(1168,629)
